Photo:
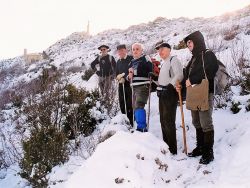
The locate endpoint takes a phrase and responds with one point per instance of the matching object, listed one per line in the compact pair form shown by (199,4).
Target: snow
(117,157)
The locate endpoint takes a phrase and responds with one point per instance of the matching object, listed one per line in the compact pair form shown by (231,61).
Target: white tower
(88,33)
(25,54)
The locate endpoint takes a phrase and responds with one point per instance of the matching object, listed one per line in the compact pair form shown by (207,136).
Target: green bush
(79,120)
(235,107)
(46,148)
(74,95)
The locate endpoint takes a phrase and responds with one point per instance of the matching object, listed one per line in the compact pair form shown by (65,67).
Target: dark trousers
(128,98)
(167,106)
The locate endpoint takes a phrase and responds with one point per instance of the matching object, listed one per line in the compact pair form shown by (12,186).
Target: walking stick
(149,95)
(124,98)
(133,101)
(182,121)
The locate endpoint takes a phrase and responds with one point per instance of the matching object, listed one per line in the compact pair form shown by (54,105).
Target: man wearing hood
(202,120)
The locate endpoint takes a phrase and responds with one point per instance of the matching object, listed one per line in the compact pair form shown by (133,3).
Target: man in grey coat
(171,72)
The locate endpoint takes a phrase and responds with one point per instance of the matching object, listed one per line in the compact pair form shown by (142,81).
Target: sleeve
(113,63)
(117,68)
(94,63)
(178,71)
(150,65)
(211,64)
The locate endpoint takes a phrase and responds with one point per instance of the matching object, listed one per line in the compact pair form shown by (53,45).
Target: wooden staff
(182,119)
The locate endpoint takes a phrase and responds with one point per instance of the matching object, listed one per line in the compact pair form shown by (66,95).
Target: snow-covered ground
(142,160)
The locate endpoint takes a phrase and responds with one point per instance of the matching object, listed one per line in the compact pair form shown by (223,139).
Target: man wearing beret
(124,89)
(171,72)
(104,65)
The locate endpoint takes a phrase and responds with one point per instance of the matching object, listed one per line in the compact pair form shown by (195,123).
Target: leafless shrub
(10,152)
(75,69)
(109,96)
(216,45)
(240,59)
(230,34)
(181,45)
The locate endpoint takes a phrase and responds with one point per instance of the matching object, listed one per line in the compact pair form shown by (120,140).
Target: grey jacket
(170,71)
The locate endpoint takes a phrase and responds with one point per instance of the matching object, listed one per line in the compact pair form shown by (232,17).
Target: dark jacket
(107,68)
(122,66)
(194,69)
(142,67)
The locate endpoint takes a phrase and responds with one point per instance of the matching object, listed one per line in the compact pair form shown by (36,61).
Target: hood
(198,40)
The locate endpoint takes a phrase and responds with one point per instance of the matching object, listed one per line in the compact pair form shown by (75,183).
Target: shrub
(79,119)
(17,100)
(181,45)
(230,34)
(46,148)
(87,74)
(248,105)
(74,95)
(245,84)
(235,107)
(75,69)
(47,145)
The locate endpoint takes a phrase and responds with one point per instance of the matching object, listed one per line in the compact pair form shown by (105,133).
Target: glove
(121,81)
(120,76)
(153,76)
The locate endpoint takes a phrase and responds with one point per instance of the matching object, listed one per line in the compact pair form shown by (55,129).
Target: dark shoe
(207,157)
(142,130)
(196,152)
(207,151)
(173,152)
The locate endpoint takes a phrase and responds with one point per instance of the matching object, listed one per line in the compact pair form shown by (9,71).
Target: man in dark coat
(124,88)
(105,66)
(202,120)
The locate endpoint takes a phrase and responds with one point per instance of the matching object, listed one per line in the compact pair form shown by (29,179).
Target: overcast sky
(37,24)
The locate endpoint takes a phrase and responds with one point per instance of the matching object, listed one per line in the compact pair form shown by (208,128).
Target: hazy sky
(37,24)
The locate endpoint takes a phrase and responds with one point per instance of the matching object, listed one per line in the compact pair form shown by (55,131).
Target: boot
(199,144)
(140,118)
(207,152)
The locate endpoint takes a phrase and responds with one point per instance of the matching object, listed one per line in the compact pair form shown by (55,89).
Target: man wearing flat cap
(171,71)
(124,90)
(104,65)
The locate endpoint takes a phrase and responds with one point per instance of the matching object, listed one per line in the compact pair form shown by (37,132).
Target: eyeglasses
(136,49)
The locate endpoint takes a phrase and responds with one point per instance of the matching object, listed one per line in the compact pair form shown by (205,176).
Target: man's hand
(130,73)
(121,81)
(178,86)
(153,76)
(120,76)
(188,83)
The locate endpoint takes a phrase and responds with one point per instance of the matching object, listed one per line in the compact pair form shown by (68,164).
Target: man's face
(122,53)
(164,52)
(137,51)
(104,51)
(190,45)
